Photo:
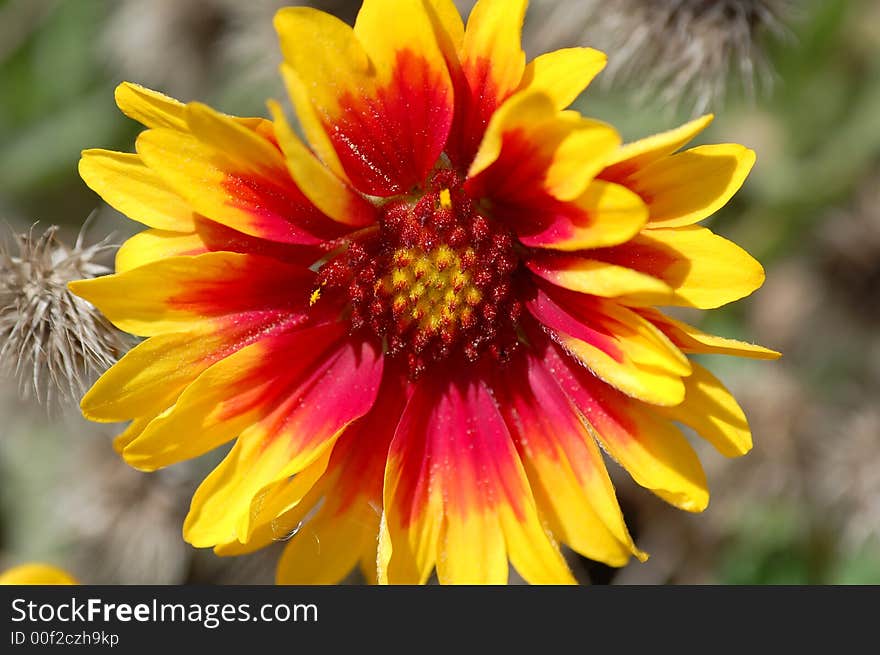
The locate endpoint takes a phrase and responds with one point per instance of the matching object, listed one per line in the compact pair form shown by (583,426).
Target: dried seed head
(680,51)
(53,342)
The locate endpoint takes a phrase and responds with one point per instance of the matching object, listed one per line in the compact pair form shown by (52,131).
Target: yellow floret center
(431,289)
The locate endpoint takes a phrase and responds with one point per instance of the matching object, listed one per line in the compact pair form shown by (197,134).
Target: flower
(53,342)
(36,574)
(422,322)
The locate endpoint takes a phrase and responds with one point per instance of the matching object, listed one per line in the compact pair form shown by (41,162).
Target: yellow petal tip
(694,504)
(136,461)
(77,287)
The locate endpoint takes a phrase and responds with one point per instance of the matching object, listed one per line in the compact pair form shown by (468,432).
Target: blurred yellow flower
(36,574)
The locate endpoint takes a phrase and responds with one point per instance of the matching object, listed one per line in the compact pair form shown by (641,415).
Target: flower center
(433,290)
(434,281)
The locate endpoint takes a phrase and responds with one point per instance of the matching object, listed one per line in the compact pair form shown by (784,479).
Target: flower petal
(155,245)
(210,411)
(134,430)
(563,463)
(455,482)
(235,177)
(151,376)
(130,187)
(651,449)
(685,188)
(310,119)
(150,108)
(471,550)
(36,574)
(704,269)
(691,340)
(328,547)
(492,55)
(319,397)
(181,293)
(409,532)
(634,156)
(352,477)
(328,193)
(616,344)
(531,151)
(361,454)
(606,214)
(563,74)
(598,278)
(414,92)
(231,395)
(368,563)
(207,526)
(279,511)
(382,97)
(156,110)
(448,26)
(713,413)
(491,69)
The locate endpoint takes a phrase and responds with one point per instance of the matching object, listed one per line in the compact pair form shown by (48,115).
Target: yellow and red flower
(421,323)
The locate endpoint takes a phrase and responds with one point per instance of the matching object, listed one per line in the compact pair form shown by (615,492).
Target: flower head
(420,324)
(52,341)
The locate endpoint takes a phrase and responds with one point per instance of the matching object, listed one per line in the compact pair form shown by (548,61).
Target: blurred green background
(803,507)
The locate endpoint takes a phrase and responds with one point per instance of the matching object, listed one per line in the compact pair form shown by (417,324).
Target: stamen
(445,199)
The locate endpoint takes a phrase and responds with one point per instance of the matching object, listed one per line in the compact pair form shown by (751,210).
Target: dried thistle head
(51,341)
(680,51)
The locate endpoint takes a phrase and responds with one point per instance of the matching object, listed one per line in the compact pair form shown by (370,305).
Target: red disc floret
(434,281)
